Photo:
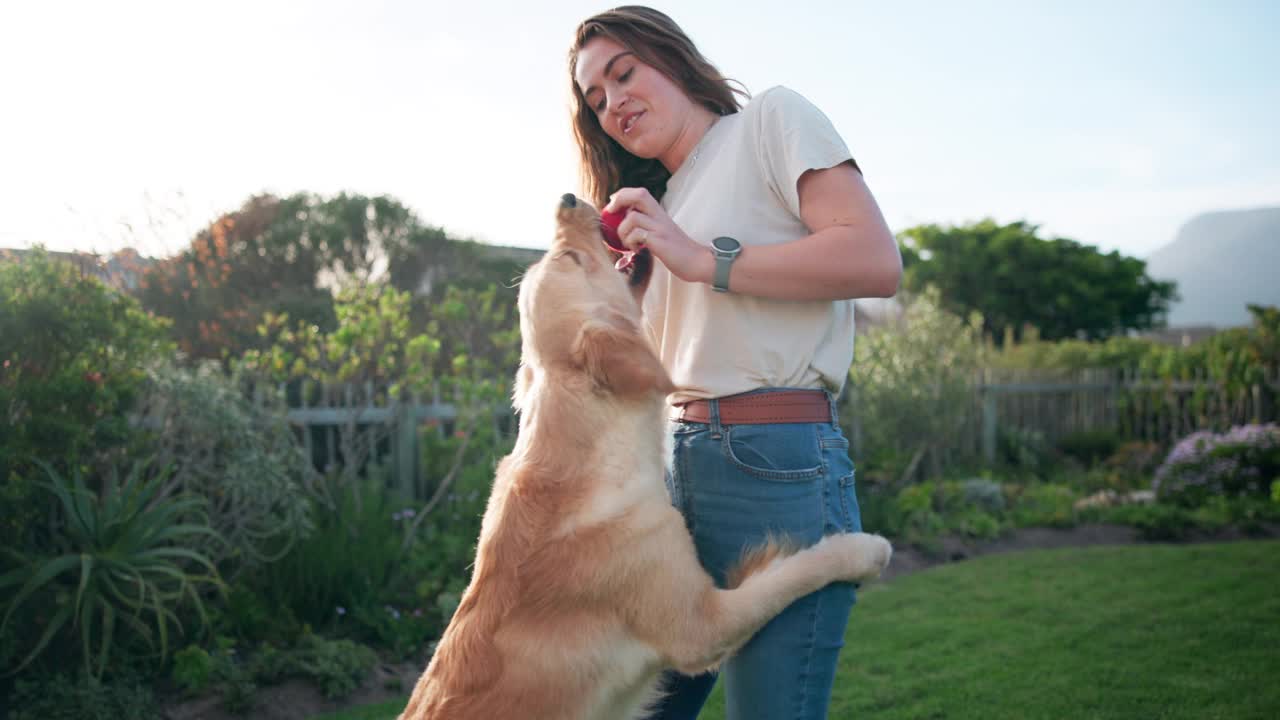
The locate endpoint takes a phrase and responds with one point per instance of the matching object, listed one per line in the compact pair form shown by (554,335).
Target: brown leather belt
(782,406)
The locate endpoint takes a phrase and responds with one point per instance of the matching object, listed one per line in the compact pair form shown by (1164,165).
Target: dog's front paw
(863,556)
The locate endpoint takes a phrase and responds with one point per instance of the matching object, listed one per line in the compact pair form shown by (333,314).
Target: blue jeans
(735,484)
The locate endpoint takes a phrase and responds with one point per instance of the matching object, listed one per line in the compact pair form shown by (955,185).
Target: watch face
(726,244)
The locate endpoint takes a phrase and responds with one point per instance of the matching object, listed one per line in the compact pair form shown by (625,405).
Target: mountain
(1221,262)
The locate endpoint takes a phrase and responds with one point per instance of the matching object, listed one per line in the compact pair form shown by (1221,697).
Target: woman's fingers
(635,229)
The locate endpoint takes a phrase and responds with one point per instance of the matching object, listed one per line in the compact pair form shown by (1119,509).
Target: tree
(1016,280)
(283,256)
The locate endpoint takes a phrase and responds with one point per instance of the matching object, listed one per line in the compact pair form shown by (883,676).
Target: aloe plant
(118,558)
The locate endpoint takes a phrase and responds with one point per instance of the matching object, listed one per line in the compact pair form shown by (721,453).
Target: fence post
(406,447)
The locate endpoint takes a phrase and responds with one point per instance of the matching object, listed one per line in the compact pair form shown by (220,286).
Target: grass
(1147,631)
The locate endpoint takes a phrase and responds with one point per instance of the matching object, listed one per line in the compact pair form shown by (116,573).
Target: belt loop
(713,407)
(831,402)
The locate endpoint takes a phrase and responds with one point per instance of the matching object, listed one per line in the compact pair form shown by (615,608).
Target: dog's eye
(571,255)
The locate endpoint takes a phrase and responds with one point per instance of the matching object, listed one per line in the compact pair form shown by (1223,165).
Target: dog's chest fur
(631,467)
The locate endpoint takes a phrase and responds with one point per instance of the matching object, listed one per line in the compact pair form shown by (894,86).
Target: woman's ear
(618,359)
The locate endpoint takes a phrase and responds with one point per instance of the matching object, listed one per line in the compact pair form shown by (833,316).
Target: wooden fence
(1131,405)
(341,424)
(348,426)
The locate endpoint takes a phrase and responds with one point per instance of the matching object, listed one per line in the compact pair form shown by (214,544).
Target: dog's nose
(568,200)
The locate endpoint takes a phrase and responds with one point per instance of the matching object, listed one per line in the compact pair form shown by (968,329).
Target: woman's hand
(648,225)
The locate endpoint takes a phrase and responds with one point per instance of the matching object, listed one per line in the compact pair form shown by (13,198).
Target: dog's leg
(724,620)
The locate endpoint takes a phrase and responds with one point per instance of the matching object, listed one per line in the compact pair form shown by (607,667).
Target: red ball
(609,223)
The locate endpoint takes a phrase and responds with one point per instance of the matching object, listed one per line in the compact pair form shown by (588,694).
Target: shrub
(1242,461)
(1133,461)
(984,493)
(336,666)
(348,561)
(1156,522)
(242,458)
(1041,505)
(60,697)
(1089,447)
(196,670)
(912,388)
(72,353)
(119,556)
(924,511)
(1024,449)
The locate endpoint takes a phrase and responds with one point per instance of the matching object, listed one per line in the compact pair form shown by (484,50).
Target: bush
(348,561)
(1133,463)
(1156,522)
(1242,461)
(336,666)
(1041,505)
(118,556)
(912,388)
(60,697)
(923,512)
(1089,447)
(1024,449)
(72,353)
(196,670)
(242,458)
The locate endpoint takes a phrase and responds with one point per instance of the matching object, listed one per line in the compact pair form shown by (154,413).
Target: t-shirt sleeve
(794,136)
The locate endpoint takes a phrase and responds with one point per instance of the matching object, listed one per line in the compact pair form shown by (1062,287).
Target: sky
(131,123)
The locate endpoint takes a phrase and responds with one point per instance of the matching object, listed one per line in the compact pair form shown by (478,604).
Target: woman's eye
(626,75)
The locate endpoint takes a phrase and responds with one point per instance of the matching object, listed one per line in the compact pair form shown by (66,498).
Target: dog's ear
(618,359)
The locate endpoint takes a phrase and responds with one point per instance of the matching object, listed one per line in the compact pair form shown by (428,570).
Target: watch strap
(724,262)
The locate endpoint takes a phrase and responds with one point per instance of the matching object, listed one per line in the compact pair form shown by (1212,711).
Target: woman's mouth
(629,122)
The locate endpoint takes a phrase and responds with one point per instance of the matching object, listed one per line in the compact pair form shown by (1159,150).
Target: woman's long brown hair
(657,41)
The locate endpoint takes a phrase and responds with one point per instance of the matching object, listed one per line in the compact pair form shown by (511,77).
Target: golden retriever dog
(586,585)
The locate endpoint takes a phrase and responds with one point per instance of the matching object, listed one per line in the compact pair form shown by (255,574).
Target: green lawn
(1149,631)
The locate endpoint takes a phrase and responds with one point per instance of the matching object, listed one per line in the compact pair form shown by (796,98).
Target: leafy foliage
(371,344)
(119,555)
(242,458)
(337,666)
(73,355)
(1015,279)
(1238,357)
(285,256)
(58,696)
(347,562)
(913,386)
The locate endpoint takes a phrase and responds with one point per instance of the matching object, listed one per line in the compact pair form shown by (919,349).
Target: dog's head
(580,317)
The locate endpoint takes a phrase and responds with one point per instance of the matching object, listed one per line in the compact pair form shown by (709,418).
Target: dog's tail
(758,557)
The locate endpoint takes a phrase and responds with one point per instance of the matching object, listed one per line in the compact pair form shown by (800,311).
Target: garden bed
(908,559)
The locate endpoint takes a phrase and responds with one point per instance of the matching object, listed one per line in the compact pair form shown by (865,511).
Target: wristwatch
(726,250)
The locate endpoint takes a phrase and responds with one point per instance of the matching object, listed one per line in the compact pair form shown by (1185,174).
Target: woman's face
(636,104)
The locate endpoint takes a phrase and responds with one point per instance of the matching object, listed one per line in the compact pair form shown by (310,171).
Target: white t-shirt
(741,182)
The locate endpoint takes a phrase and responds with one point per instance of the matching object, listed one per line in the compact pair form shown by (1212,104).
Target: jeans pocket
(783,451)
(850,515)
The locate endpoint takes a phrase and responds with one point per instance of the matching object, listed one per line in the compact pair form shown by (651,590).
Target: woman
(756,330)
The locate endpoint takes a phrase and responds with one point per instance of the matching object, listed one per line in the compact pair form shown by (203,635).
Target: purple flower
(341,610)
(1214,462)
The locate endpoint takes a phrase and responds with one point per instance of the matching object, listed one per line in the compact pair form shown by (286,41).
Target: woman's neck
(698,122)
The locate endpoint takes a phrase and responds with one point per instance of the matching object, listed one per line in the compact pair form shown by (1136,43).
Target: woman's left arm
(850,252)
